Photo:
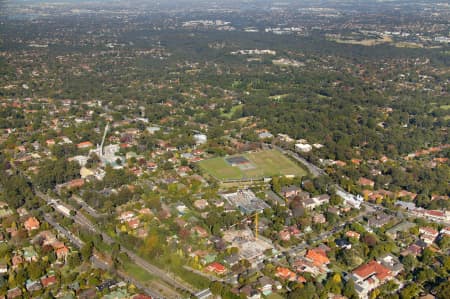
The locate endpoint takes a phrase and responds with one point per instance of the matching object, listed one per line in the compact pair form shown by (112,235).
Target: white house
(200,139)
(303,147)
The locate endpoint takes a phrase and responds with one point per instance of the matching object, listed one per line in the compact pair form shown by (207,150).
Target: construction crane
(256,229)
(256,225)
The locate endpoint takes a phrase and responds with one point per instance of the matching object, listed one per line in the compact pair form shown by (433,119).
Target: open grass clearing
(266,163)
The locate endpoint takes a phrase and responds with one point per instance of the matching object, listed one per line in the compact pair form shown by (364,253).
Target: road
(61,230)
(81,220)
(76,217)
(86,207)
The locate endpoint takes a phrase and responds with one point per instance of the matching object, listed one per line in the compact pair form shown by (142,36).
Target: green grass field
(266,163)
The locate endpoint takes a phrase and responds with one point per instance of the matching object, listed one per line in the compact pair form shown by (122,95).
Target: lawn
(266,163)
(232,111)
(137,272)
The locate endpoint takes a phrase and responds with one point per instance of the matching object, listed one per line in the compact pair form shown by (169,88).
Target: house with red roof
(50,142)
(85,144)
(285,274)
(216,268)
(62,252)
(340,163)
(318,257)
(48,281)
(366,182)
(126,216)
(31,224)
(60,249)
(14,293)
(152,166)
(404,193)
(16,261)
(303,264)
(370,276)
(200,231)
(133,223)
(301,279)
(352,234)
(428,234)
(445,231)
(76,183)
(284,235)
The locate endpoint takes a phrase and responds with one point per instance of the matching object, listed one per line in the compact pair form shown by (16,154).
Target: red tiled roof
(216,267)
(365,182)
(76,183)
(319,257)
(435,213)
(85,144)
(31,223)
(200,231)
(429,231)
(372,268)
(340,163)
(47,281)
(133,223)
(285,273)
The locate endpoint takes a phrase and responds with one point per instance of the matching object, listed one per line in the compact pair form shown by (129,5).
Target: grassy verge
(137,272)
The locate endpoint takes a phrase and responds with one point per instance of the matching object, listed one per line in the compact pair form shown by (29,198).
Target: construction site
(250,247)
(246,201)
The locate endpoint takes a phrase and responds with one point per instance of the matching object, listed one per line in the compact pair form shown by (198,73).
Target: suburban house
(290,191)
(201,204)
(86,144)
(352,234)
(48,281)
(216,268)
(50,142)
(231,260)
(284,235)
(370,276)
(60,249)
(14,293)
(249,292)
(404,226)
(285,274)
(392,263)
(133,223)
(379,220)
(3,268)
(322,199)
(366,182)
(33,286)
(266,285)
(319,218)
(31,224)
(428,234)
(318,257)
(126,216)
(305,265)
(16,261)
(445,231)
(200,231)
(29,254)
